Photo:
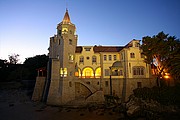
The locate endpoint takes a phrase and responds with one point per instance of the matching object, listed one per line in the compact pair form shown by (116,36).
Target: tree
(162,52)
(13,58)
(31,65)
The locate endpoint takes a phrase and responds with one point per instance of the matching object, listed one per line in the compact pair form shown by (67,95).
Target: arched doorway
(87,73)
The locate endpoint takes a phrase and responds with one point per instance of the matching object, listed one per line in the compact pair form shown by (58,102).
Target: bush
(164,95)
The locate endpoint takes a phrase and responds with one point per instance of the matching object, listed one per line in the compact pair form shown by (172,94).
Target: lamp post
(110,80)
(166,76)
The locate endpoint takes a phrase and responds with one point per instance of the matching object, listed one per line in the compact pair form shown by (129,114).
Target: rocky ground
(16,105)
(151,110)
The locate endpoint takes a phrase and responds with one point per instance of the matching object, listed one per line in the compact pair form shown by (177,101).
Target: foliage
(164,95)
(13,58)
(9,72)
(162,51)
(17,72)
(33,63)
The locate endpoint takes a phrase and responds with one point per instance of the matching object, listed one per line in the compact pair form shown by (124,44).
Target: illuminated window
(98,73)
(105,57)
(132,55)
(63,72)
(71,57)
(88,73)
(78,73)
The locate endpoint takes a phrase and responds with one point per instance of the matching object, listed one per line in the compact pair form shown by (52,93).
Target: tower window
(71,57)
(70,41)
(70,31)
(63,72)
(132,55)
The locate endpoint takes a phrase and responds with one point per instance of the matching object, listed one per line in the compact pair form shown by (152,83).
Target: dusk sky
(27,25)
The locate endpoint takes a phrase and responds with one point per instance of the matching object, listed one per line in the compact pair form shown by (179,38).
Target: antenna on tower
(66,5)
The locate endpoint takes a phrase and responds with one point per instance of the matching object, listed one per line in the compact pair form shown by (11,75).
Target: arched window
(98,72)
(88,73)
(132,55)
(78,73)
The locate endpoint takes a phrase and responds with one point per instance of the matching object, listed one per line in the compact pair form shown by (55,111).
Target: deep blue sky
(26,25)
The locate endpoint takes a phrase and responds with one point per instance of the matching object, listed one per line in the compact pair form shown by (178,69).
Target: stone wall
(38,89)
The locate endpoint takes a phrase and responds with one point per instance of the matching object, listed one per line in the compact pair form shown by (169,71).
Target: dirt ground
(16,105)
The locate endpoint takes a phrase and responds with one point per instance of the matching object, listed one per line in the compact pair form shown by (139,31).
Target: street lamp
(167,76)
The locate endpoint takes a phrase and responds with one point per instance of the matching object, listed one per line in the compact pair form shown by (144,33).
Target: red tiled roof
(102,49)
(107,48)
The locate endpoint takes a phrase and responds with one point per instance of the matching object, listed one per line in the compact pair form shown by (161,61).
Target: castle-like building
(84,74)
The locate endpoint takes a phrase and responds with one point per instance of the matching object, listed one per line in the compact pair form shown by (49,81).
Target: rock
(133,109)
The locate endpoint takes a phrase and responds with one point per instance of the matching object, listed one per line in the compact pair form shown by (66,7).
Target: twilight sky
(26,25)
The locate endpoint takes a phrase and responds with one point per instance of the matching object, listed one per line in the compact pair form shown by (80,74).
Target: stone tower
(62,63)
